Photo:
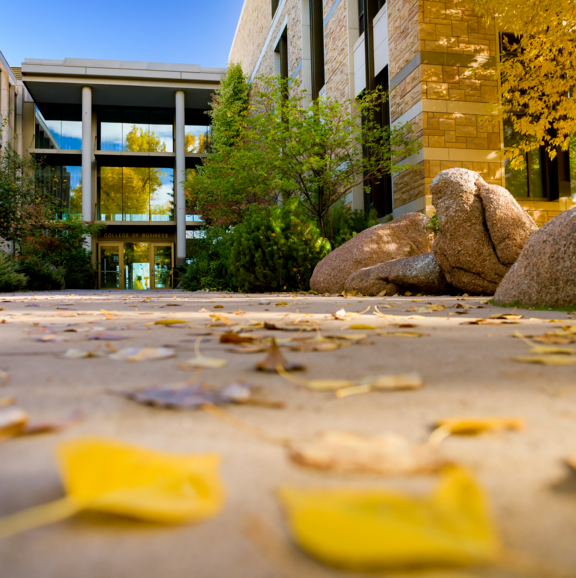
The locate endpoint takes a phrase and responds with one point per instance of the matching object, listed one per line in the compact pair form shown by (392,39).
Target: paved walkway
(467,370)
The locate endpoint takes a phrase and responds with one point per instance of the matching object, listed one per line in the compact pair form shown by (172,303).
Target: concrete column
(87,153)
(179,177)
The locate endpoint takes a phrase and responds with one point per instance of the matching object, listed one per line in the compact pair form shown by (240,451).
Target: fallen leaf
(281,304)
(190,396)
(202,310)
(550,349)
(202,362)
(470,426)
(547,359)
(249,348)
(106,337)
(218,306)
(235,338)
(384,383)
(42,427)
(361,327)
(223,319)
(49,338)
(313,345)
(379,529)
(168,322)
(109,476)
(507,316)
(402,334)
(340,314)
(389,454)
(143,354)
(488,322)
(12,421)
(80,354)
(275,359)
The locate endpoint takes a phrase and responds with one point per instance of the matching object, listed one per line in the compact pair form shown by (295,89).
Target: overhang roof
(120,83)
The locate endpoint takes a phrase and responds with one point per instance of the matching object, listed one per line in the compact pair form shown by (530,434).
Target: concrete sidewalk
(467,369)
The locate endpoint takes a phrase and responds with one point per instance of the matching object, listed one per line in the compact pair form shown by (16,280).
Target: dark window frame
(275,4)
(317,46)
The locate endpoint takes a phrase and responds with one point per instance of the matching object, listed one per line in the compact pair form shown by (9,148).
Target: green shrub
(208,266)
(42,275)
(79,271)
(434,225)
(275,249)
(10,278)
(346,223)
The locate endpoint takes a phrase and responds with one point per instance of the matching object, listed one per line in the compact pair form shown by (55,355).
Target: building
(114,140)
(425,52)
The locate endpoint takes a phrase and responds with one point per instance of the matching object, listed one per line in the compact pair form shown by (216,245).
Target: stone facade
(434,49)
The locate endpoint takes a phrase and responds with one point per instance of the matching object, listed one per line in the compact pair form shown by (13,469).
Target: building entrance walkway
(468,369)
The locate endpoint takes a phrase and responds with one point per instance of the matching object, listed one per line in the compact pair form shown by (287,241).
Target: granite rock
(405,236)
(482,230)
(419,274)
(545,272)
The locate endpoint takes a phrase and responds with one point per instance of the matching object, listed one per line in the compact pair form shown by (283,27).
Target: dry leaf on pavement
(113,477)
(236,338)
(340,314)
(388,454)
(80,354)
(12,421)
(378,529)
(202,362)
(275,359)
(402,334)
(470,426)
(547,359)
(143,353)
(361,327)
(507,316)
(168,322)
(384,383)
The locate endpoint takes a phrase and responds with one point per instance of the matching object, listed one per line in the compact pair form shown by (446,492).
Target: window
(361,17)
(136,129)
(191,215)
(64,182)
(317,45)
(274,7)
(198,139)
(58,127)
(135,194)
(281,55)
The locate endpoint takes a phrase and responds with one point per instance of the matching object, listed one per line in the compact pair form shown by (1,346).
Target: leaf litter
(275,360)
(202,362)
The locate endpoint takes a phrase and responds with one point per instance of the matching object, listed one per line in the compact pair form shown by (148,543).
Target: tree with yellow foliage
(537,72)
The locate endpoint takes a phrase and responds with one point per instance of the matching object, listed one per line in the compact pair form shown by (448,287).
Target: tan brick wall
(409,186)
(406,94)
(463,131)
(403,32)
(251,33)
(336,52)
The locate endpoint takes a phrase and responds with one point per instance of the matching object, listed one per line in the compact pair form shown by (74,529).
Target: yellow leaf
(547,359)
(363,529)
(281,304)
(360,326)
(168,321)
(475,426)
(204,363)
(549,349)
(12,421)
(328,384)
(402,334)
(109,476)
(508,316)
(384,382)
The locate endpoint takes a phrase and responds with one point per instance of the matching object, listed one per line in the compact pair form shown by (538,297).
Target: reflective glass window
(190,211)
(197,139)
(58,127)
(110,193)
(136,193)
(110,129)
(64,183)
(161,131)
(161,194)
(135,130)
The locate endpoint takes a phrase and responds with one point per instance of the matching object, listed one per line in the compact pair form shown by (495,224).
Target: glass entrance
(110,266)
(162,266)
(127,265)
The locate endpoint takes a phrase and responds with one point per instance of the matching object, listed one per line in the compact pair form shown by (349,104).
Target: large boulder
(545,272)
(482,230)
(419,273)
(403,237)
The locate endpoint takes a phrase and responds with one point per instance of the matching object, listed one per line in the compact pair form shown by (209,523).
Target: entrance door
(162,262)
(126,265)
(109,276)
(137,266)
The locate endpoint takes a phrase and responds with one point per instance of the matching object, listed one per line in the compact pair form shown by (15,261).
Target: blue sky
(182,31)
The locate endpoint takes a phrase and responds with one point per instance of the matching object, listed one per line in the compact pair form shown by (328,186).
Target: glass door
(137,266)
(162,263)
(110,266)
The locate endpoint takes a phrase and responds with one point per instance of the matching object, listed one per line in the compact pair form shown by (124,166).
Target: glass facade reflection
(58,127)
(197,139)
(135,129)
(64,182)
(135,194)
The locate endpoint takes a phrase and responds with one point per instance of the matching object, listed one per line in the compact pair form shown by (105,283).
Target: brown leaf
(41,427)
(235,338)
(275,359)
(507,316)
(351,453)
(12,421)
(488,322)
